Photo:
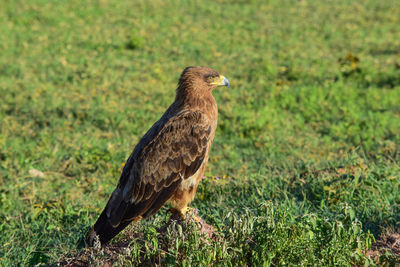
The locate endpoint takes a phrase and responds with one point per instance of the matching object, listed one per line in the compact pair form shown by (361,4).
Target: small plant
(135,41)
(349,65)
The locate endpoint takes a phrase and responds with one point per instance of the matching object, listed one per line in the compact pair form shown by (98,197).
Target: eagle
(169,161)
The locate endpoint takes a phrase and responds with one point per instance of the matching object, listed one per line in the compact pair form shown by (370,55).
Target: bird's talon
(198,219)
(190,210)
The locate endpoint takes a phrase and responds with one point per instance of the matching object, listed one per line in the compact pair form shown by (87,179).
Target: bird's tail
(104,230)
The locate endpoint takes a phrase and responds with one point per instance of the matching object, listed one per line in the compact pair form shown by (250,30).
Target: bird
(169,161)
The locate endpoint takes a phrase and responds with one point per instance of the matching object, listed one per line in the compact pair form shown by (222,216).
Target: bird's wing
(171,154)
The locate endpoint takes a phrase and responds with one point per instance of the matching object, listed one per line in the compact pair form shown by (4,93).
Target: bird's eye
(210,78)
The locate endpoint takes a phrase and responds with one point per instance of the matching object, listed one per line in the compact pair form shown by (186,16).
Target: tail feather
(124,214)
(104,230)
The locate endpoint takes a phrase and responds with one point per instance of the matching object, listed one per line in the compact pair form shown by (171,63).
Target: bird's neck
(194,101)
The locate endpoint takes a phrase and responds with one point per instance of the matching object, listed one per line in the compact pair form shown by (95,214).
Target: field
(305,165)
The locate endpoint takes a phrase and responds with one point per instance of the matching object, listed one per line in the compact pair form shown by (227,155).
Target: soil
(388,241)
(109,254)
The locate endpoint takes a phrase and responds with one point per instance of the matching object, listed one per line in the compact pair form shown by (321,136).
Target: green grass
(315,85)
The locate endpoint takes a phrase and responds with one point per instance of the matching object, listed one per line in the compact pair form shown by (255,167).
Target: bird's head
(200,80)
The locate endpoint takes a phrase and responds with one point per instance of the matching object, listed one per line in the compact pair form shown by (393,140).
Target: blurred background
(304,168)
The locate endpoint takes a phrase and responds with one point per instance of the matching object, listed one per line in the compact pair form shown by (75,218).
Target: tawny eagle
(169,161)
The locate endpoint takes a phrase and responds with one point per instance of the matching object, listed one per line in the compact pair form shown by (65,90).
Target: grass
(307,148)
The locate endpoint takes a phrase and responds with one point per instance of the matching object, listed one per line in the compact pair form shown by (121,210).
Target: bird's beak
(221,80)
(225,81)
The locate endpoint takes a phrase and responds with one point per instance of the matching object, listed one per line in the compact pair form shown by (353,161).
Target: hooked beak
(221,80)
(225,81)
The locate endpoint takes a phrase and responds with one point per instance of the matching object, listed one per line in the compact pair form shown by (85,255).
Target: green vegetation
(307,147)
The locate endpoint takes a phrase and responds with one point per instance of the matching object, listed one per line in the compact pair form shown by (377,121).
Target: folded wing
(169,153)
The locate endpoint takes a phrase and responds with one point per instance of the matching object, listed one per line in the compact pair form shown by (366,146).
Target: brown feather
(173,150)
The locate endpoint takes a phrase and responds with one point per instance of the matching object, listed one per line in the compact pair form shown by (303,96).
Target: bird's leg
(183,212)
(187,210)
(179,213)
(186,214)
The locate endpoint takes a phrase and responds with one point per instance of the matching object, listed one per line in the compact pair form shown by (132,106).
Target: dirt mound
(118,252)
(388,241)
